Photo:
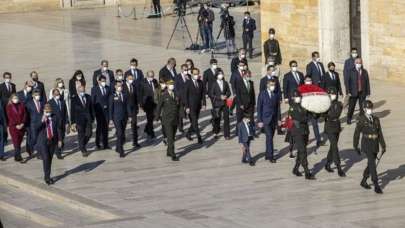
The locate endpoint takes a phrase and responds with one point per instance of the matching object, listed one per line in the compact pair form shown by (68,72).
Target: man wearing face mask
(148,91)
(118,112)
(130,90)
(108,74)
(209,75)
(35,109)
(332,130)
(179,88)
(59,110)
(219,93)
(271,48)
(349,65)
(195,102)
(237,75)
(271,75)
(6,88)
(245,97)
(316,70)
(82,118)
(99,97)
(249,26)
(168,112)
(300,133)
(135,72)
(358,87)
(119,77)
(332,80)
(369,127)
(236,60)
(38,85)
(269,115)
(25,94)
(48,129)
(292,80)
(168,72)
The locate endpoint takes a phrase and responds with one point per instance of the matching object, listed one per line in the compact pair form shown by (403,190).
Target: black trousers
(150,115)
(170,130)
(47,153)
(120,130)
(194,116)
(248,44)
(223,112)
(361,97)
(102,129)
(301,142)
(156,6)
(182,115)
(84,133)
(134,127)
(371,169)
(333,153)
(28,143)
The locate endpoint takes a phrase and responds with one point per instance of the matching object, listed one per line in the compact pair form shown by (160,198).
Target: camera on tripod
(181,7)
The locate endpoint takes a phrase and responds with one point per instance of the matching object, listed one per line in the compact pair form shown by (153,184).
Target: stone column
(365,46)
(334,31)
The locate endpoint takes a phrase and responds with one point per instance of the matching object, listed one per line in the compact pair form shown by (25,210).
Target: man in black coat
(358,87)
(25,94)
(235,61)
(108,74)
(130,90)
(148,92)
(332,80)
(348,67)
(249,26)
(292,80)
(118,112)
(168,72)
(135,72)
(209,75)
(59,110)
(271,48)
(271,75)
(195,102)
(316,70)
(38,85)
(237,75)
(35,110)
(6,89)
(245,97)
(99,99)
(82,118)
(179,89)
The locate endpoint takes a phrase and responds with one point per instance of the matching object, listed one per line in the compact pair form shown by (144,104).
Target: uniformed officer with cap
(372,137)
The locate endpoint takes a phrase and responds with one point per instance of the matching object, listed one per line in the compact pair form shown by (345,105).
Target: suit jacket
(40,86)
(100,101)
(268,109)
(235,76)
(33,113)
(24,98)
(263,85)
(290,84)
(216,93)
(332,121)
(59,111)
(348,67)
(5,93)
(166,75)
(147,94)
(195,96)
(118,107)
(352,82)
(251,26)
(272,48)
(180,88)
(168,109)
(132,98)
(137,73)
(42,133)
(244,96)
(208,79)
(82,114)
(313,71)
(334,82)
(98,72)
(243,134)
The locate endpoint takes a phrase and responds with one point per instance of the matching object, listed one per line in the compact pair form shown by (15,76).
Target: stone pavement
(209,187)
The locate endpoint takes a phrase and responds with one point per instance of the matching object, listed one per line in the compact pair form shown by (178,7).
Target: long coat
(16,115)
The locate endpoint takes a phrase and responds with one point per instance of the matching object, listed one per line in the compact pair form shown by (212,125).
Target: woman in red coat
(16,123)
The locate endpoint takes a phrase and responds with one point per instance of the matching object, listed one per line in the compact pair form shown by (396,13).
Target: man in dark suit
(348,67)
(118,115)
(99,99)
(249,26)
(6,89)
(131,92)
(25,94)
(59,110)
(48,131)
(235,61)
(332,80)
(245,97)
(38,85)
(209,75)
(271,48)
(195,102)
(82,117)
(245,136)
(148,92)
(271,75)
(179,90)
(35,109)
(316,70)
(237,75)
(268,115)
(108,74)
(135,72)
(219,93)
(292,80)
(168,72)
(358,87)
(168,111)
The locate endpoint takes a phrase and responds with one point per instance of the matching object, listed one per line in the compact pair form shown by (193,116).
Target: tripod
(183,23)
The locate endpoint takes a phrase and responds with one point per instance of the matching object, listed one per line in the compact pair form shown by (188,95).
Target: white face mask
(273,73)
(130,81)
(214,67)
(369,111)
(79,77)
(354,55)
(81,94)
(241,67)
(242,56)
(37,97)
(57,97)
(120,77)
(318,59)
(195,77)
(7,80)
(185,72)
(150,79)
(119,89)
(15,100)
(103,84)
(170,87)
(272,88)
(60,85)
(294,69)
(308,82)
(28,89)
(163,86)
(271,36)
(271,63)
(133,67)
(297,99)
(48,114)
(246,17)
(105,68)
(333,97)
(358,66)
(220,77)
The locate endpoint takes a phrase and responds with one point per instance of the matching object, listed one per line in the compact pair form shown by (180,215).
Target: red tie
(49,129)
(360,82)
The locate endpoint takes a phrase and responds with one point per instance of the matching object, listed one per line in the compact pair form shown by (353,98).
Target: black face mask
(332,70)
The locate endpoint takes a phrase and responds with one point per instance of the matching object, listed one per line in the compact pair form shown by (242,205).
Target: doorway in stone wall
(355,25)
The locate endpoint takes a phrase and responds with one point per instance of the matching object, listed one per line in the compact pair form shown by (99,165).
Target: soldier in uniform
(300,133)
(168,110)
(369,126)
(332,130)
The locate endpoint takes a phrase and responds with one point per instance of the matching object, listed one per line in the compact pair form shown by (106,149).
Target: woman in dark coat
(16,123)
(75,81)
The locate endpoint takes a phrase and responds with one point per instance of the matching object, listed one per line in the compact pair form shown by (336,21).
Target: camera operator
(205,19)
(228,26)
